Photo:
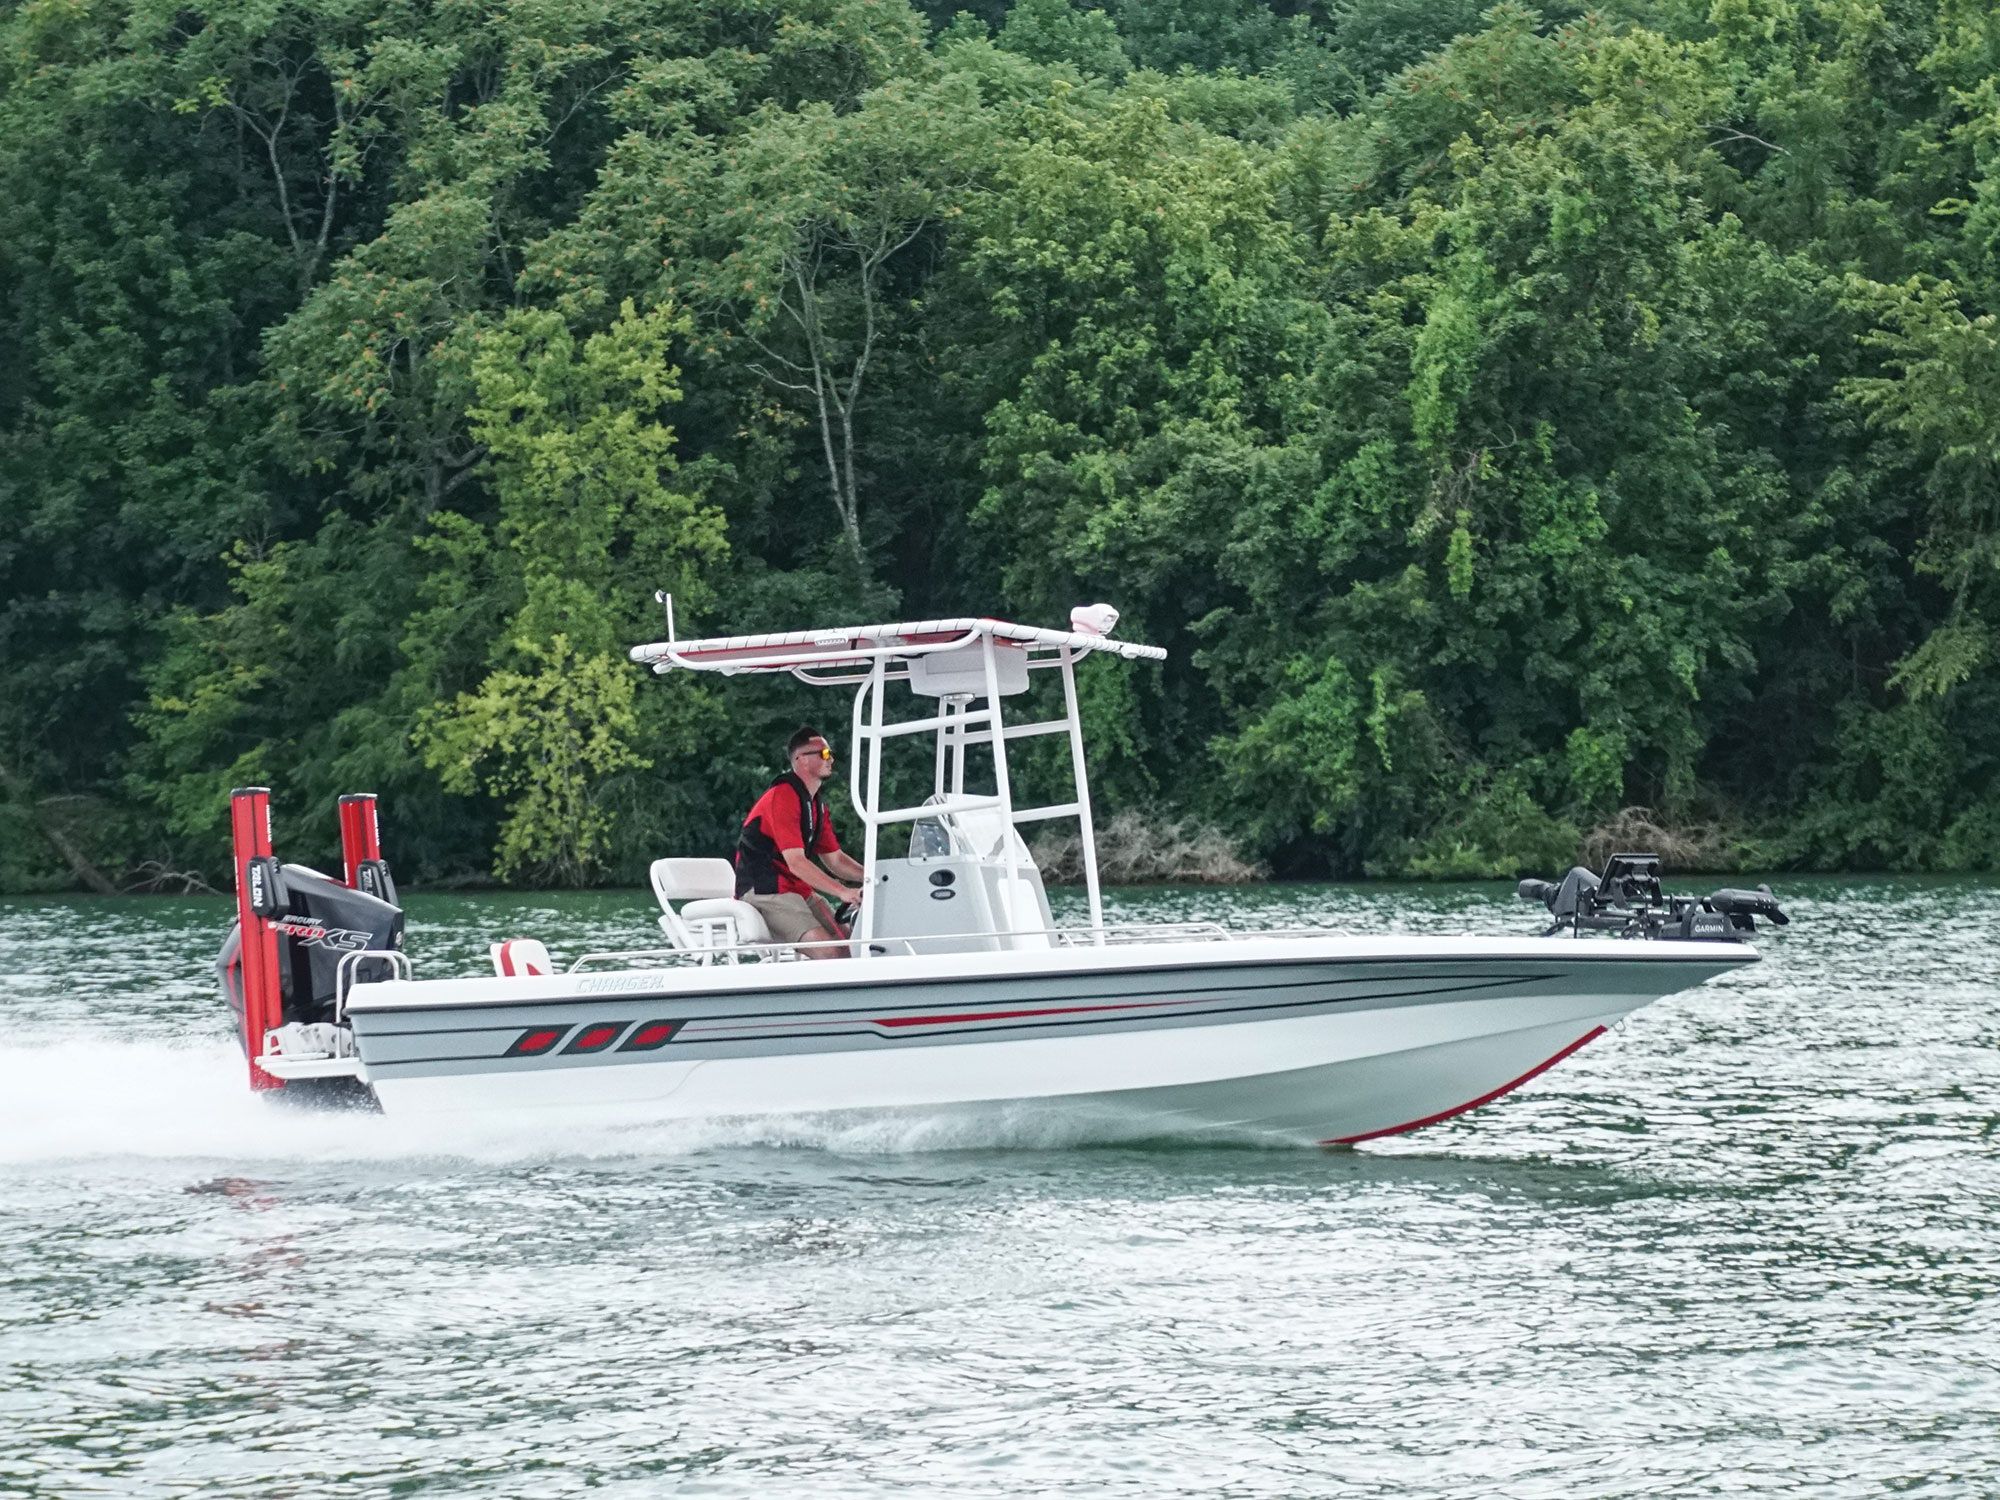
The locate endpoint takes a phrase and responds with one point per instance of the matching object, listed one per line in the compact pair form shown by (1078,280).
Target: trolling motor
(281,965)
(1626,900)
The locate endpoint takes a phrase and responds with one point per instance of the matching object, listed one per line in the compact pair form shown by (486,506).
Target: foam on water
(68,1100)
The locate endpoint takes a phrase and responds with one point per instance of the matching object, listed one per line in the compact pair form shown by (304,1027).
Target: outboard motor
(324,920)
(301,925)
(317,920)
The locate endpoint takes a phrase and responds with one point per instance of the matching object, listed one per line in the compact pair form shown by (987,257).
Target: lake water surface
(1749,1243)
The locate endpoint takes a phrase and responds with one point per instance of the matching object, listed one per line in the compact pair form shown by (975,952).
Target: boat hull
(1312,1039)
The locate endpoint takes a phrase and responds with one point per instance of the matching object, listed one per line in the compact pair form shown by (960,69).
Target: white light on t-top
(1094,619)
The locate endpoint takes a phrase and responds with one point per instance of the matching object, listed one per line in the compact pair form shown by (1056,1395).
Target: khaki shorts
(788,915)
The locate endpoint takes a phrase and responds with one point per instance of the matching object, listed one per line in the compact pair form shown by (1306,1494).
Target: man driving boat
(788,862)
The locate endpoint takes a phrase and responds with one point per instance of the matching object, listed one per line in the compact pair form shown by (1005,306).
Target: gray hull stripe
(683,1047)
(848,1007)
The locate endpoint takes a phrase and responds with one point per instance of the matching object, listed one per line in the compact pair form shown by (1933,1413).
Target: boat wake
(74,1101)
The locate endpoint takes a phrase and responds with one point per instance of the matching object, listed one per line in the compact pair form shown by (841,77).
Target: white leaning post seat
(520,958)
(710,916)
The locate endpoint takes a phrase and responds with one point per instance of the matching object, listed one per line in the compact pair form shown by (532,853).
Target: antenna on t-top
(661,596)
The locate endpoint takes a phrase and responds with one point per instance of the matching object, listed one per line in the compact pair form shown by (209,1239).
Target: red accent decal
(1009,1015)
(830,653)
(646,1036)
(516,963)
(536,1041)
(263,993)
(597,1036)
(1445,1114)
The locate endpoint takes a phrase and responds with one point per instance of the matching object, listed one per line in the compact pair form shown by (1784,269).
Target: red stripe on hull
(1009,1015)
(1445,1114)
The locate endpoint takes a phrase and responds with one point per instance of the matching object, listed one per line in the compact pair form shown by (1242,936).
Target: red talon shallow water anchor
(250,978)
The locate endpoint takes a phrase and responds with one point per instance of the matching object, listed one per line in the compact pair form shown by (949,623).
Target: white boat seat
(749,921)
(520,958)
(693,880)
(710,916)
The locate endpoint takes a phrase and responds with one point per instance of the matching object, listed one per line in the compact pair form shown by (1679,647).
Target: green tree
(797,239)
(579,460)
(1503,417)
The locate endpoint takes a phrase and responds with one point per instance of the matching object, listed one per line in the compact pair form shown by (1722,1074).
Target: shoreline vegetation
(1530,432)
(1143,848)
(1139,848)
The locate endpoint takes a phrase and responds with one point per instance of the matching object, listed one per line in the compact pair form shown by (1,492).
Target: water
(1748,1244)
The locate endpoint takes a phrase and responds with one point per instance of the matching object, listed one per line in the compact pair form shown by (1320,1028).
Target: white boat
(959,990)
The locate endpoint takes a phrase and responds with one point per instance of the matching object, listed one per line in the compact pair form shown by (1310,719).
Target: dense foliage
(1504,418)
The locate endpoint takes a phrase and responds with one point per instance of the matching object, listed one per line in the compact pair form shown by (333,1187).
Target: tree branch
(72,854)
(1730,133)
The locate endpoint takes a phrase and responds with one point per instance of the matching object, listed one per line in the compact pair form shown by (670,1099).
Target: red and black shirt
(785,817)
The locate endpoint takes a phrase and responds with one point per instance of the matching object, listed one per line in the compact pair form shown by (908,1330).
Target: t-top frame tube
(870,732)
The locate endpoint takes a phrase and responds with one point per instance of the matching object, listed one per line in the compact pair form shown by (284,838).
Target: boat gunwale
(751,979)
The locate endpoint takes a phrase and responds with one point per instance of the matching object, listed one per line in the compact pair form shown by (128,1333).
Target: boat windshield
(982,834)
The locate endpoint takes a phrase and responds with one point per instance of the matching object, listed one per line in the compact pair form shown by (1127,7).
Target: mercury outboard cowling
(318,921)
(324,921)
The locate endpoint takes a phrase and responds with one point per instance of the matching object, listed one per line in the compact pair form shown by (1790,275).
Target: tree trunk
(63,844)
